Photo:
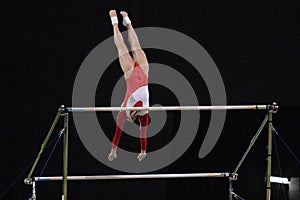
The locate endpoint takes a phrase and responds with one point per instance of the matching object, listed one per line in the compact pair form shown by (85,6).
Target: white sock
(114,20)
(126,21)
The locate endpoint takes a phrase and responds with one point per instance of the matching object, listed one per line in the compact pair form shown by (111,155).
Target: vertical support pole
(269,159)
(65,156)
(230,188)
(33,196)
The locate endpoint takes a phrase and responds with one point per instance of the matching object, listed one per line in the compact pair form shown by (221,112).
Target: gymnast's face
(132,118)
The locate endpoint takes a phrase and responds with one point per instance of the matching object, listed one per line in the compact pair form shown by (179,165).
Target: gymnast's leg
(126,61)
(138,53)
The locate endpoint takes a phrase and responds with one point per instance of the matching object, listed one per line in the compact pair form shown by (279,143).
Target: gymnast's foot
(126,19)
(113,17)
(112,13)
(141,156)
(124,14)
(112,155)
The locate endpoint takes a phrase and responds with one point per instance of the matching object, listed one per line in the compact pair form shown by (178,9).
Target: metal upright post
(269,158)
(33,195)
(272,109)
(65,155)
(230,188)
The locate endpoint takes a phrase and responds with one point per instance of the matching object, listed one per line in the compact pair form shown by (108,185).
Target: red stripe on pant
(121,119)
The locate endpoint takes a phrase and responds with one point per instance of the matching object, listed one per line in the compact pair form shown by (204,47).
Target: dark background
(255,45)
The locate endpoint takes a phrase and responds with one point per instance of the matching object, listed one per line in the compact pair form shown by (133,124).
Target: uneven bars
(162,108)
(134,176)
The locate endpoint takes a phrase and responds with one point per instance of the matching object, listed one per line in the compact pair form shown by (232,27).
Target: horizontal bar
(135,176)
(162,108)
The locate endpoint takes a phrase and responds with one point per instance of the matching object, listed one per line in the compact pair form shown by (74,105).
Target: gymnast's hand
(142,156)
(112,155)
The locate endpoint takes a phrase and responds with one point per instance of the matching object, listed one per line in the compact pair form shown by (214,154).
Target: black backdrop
(255,45)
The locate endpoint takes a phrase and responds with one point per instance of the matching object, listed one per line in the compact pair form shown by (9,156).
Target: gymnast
(135,71)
